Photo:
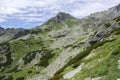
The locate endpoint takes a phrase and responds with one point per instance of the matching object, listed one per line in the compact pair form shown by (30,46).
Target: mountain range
(63,48)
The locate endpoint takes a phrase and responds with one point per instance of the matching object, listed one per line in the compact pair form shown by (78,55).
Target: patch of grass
(30,56)
(22,47)
(107,68)
(70,23)
(25,73)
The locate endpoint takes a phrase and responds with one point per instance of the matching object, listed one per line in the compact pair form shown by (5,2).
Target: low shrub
(20,78)
(107,25)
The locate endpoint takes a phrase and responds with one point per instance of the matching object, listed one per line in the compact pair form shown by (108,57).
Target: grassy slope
(109,54)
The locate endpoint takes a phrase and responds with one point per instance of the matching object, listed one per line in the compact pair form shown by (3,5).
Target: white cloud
(41,10)
(93,6)
(2,20)
(87,9)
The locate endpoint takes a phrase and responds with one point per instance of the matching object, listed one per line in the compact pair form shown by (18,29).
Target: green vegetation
(44,61)
(9,78)
(107,25)
(5,50)
(25,73)
(71,23)
(57,77)
(38,31)
(108,67)
(2,77)
(85,53)
(117,19)
(22,47)
(26,50)
(20,78)
(116,31)
(30,56)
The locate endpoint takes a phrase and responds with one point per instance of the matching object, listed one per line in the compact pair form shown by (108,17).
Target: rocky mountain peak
(61,17)
(61,13)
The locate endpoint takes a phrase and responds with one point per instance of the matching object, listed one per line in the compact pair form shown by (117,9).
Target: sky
(31,13)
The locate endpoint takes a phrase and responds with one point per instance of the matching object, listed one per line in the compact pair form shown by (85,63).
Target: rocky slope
(11,33)
(64,48)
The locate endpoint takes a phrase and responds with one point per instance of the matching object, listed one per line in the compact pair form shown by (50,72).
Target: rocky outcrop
(11,33)
(20,34)
(101,33)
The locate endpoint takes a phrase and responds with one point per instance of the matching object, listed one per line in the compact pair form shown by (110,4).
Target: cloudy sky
(30,13)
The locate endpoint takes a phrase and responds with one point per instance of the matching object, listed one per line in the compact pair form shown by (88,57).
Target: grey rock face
(21,33)
(60,17)
(101,33)
(98,37)
(2,31)
(11,33)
